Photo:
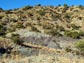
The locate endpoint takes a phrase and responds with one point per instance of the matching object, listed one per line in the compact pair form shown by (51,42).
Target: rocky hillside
(42,34)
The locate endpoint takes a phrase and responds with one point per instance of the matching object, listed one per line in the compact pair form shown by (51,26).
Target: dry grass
(46,59)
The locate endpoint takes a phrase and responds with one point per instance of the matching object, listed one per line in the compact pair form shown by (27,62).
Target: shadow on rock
(5,50)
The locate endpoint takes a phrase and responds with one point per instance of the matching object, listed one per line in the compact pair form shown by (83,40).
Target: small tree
(38,5)
(65,5)
(59,5)
(81,7)
(1,9)
(27,7)
(8,11)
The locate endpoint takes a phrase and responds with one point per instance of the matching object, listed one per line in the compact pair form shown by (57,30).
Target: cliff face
(41,34)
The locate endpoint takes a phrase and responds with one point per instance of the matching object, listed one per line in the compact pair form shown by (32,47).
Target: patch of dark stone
(43,41)
(2,50)
(5,50)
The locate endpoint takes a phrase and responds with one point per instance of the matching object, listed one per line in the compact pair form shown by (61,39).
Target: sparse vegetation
(65,8)
(19,25)
(80,46)
(27,7)
(2,30)
(67,16)
(1,17)
(16,38)
(81,7)
(75,27)
(61,28)
(55,28)
(73,34)
(68,49)
(35,29)
(38,5)
(8,11)
(41,12)
(1,9)
(13,20)
(54,32)
(65,5)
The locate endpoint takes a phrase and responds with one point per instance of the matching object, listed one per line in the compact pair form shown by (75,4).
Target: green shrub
(47,26)
(2,30)
(61,28)
(59,4)
(81,33)
(55,32)
(8,11)
(12,29)
(1,9)
(65,5)
(81,7)
(68,49)
(73,34)
(75,27)
(13,20)
(16,38)
(30,14)
(55,16)
(19,25)
(35,29)
(67,16)
(80,18)
(38,5)
(80,45)
(41,12)
(27,7)
(1,17)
